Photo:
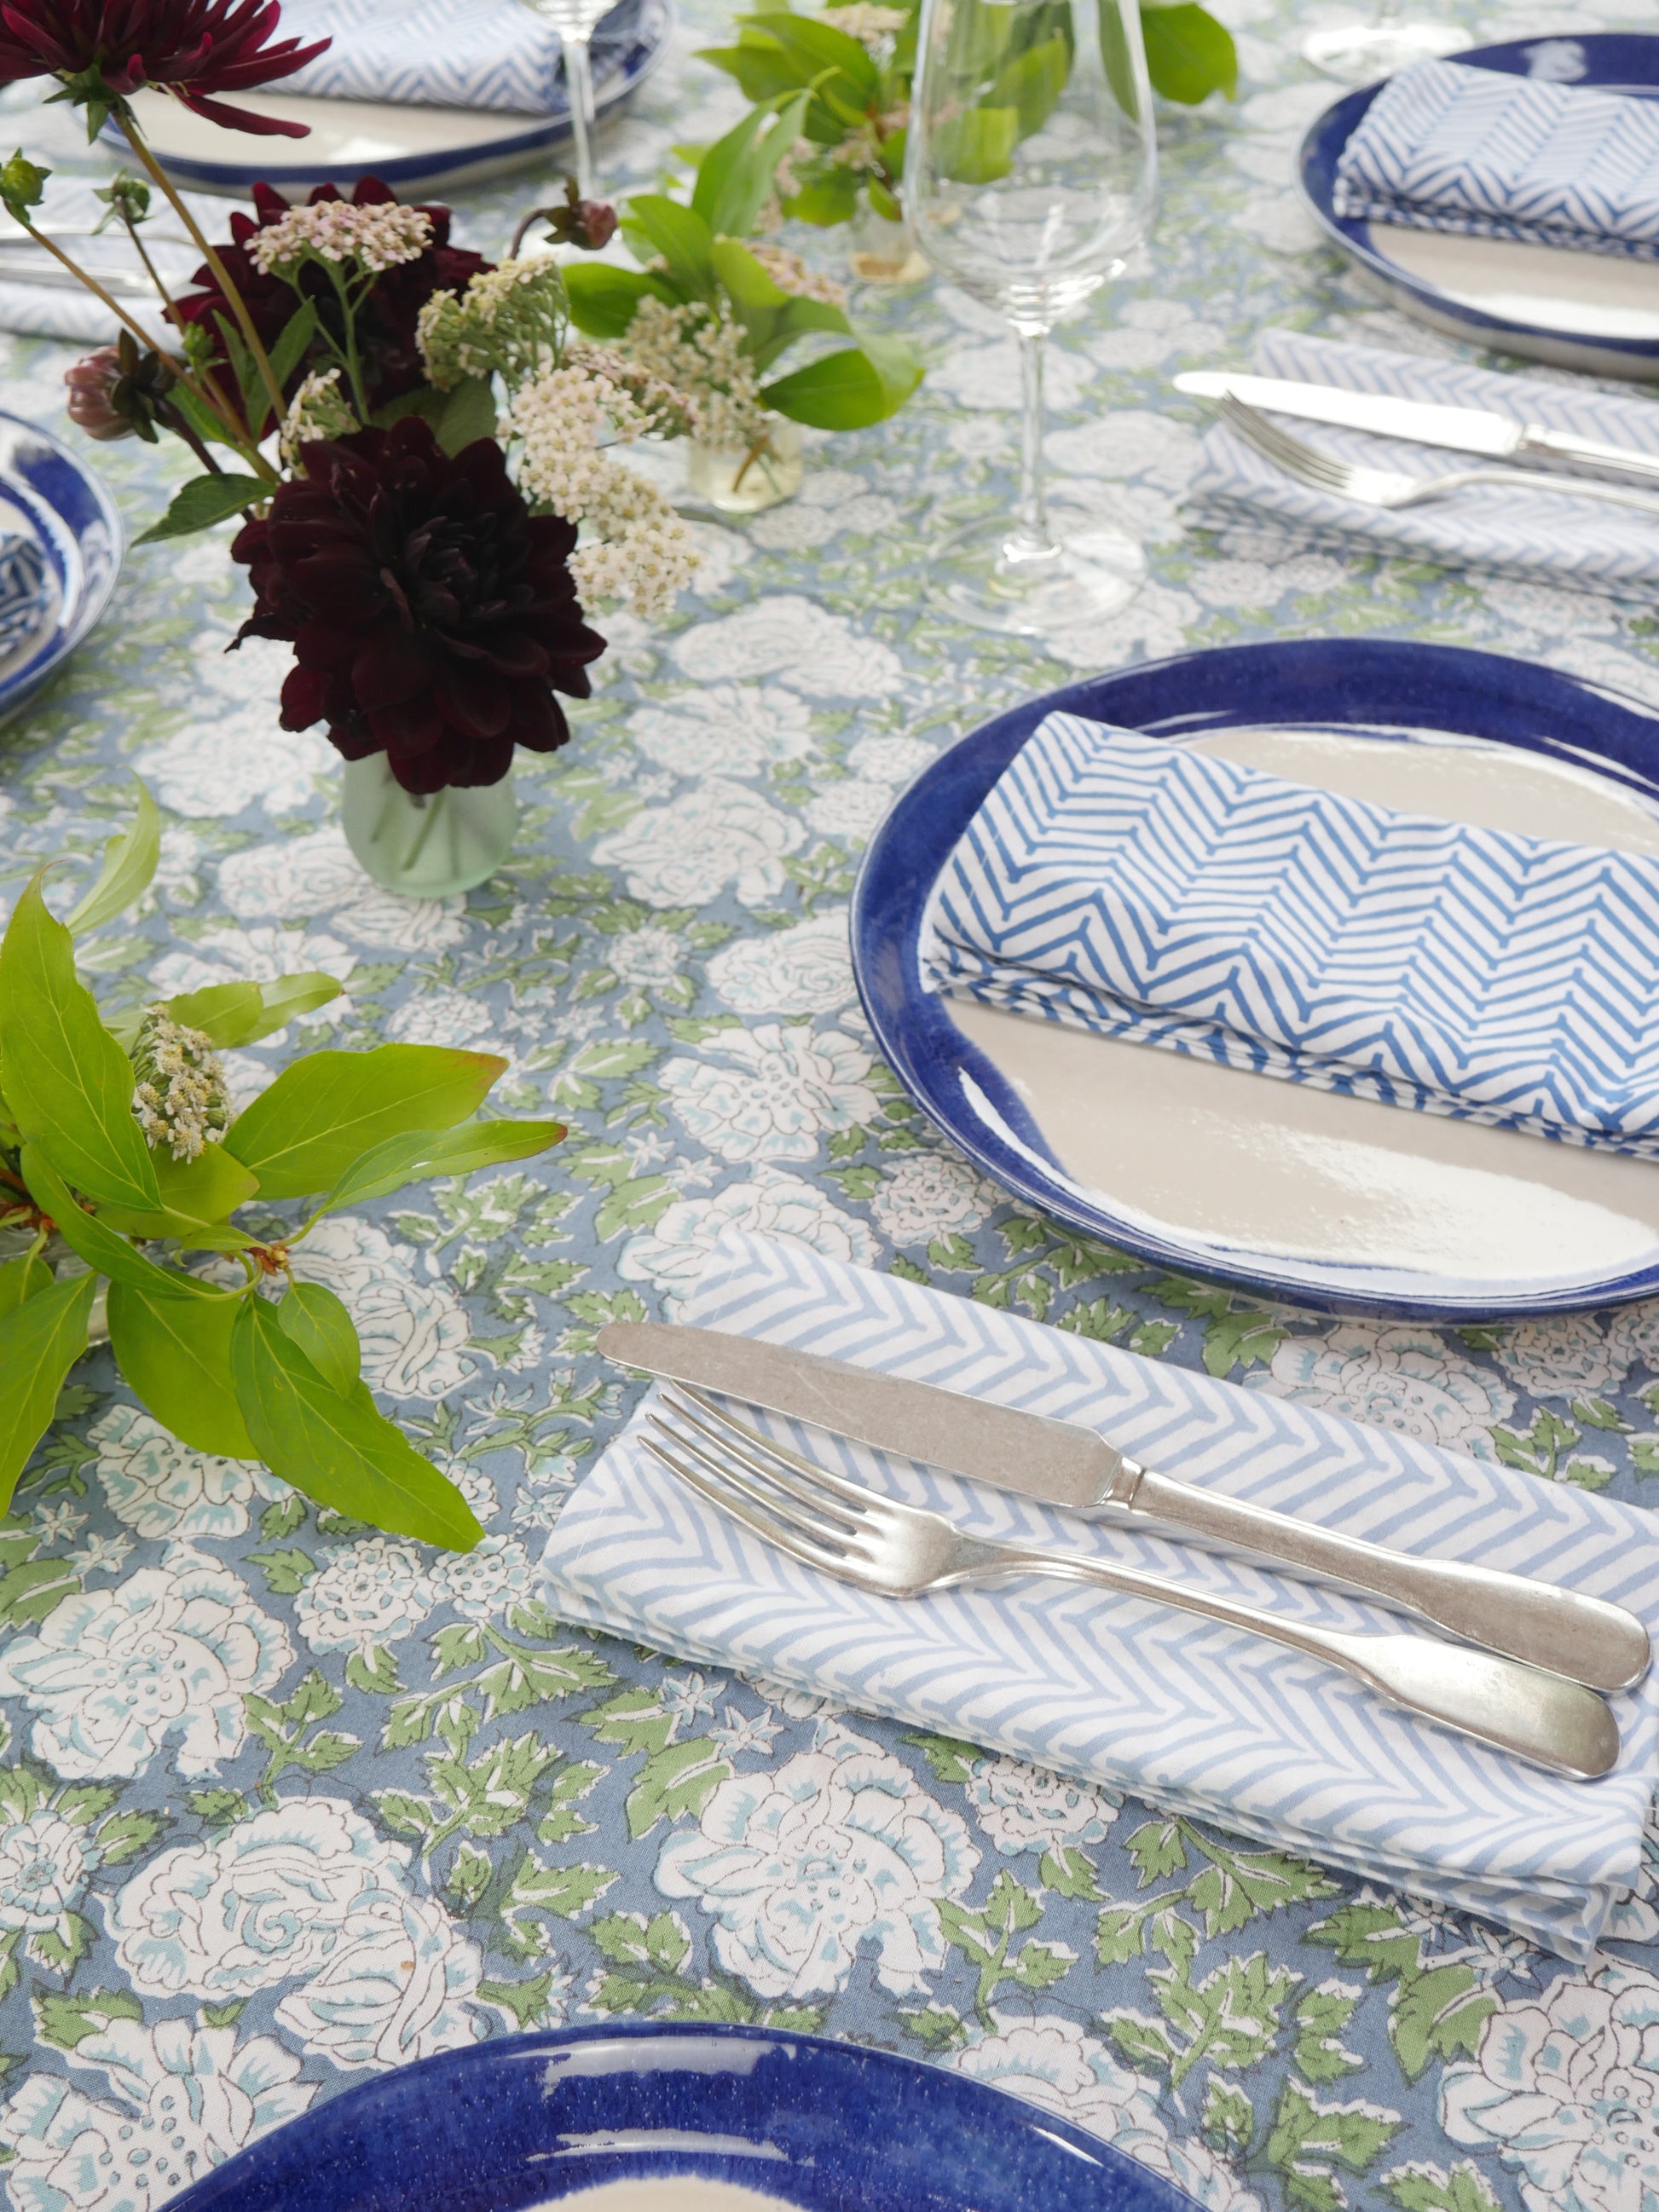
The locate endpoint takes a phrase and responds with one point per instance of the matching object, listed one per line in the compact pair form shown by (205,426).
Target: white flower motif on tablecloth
(482,1583)
(1565,2088)
(674,1251)
(1144,332)
(306,1893)
(1562,1356)
(806,969)
(1029,1809)
(1263,583)
(188,2100)
(436,1015)
(984,376)
(1051,2061)
(1633,1336)
(113,1673)
(45,1862)
(366,1594)
(888,759)
(727,729)
(830,502)
(161,1487)
(930,1194)
(414,1332)
(476,1488)
(1397,1376)
(230,759)
(226,952)
(786,636)
(852,808)
(686,854)
(839,1850)
(300,877)
(773,1094)
(648,958)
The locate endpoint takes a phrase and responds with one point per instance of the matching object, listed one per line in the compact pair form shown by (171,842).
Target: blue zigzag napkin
(1519,533)
(1445,147)
(1122,1692)
(1118,883)
(446,54)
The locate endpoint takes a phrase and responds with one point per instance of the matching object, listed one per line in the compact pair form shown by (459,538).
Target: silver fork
(827,1521)
(1369,487)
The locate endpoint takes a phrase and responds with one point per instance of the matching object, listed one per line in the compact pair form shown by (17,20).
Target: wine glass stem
(1033,533)
(579,91)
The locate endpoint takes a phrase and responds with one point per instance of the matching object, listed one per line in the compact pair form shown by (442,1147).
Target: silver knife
(1464,430)
(1062,1463)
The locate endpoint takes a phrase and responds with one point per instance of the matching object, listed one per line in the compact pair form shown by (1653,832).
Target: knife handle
(1585,1639)
(1563,445)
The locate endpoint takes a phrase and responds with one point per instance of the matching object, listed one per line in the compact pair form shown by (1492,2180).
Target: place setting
(828,1262)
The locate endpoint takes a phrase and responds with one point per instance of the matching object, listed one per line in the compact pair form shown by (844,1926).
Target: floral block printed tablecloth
(283,1804)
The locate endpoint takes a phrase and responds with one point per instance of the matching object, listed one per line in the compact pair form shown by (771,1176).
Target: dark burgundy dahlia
(432,615)
(385,319)
(191,48)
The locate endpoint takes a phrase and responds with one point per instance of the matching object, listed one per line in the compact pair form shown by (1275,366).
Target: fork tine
(738,1506)
(1290,453)
(819,1486)
(757,1485)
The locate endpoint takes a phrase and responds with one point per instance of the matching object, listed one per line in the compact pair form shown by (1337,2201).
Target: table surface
(367,1802)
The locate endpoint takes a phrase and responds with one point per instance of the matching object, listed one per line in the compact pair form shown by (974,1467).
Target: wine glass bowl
(1030,180)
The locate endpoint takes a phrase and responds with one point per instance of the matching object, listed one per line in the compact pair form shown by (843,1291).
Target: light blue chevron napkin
(1118,1691)
(1122,883)
(444,53)
(1522,533)
(1446,147)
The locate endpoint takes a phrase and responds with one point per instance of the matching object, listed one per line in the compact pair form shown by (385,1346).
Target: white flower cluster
(318,409)
(181,1099)
(788,271)
(511,320)
(698,350)
(375,237)
(635,547)
(872,26)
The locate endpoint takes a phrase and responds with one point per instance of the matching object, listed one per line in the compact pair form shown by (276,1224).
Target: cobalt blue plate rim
(522,2120)
(77,527)
(1381,685)
(1626,59)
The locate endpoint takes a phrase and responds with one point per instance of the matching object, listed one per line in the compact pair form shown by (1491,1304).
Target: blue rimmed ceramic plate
(416,150)
(678,2119)
(48,497)
(1595,312)
(1287,1192)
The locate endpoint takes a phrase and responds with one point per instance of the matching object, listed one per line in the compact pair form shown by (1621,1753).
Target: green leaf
(295,336)
(314,1319)
(174,1353)
(67,1082)
(338,1450)
(473,1144)
(302,1132)
(25,1277)
(977,146)
(603,297)
(129,861)
(67,2021)
(40,1340)
(1415,2188)
(22,186)
(680,235)
(677,1780)
(469,414)
(98,1244)
(1437,2015)
(196,1197)
(735,177)
(830,199)
(1188,54)
(231,1014)
(848,389)
(202,502)
(286,1569)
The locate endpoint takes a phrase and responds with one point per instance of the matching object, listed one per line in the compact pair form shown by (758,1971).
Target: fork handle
(1610,495)
(1536,1715)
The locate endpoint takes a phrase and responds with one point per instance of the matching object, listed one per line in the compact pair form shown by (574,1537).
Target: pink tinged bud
(90,384)
(592,224)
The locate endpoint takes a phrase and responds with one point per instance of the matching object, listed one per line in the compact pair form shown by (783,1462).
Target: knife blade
(1462,429)
(1586,1639)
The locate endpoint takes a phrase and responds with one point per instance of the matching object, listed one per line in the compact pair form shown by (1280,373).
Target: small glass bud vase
(430,846)
(739,483)
(880,251)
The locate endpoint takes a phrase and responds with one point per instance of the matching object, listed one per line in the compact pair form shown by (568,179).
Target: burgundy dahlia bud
(589,224)
(91,384)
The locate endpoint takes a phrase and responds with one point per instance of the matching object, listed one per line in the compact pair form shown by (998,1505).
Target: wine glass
(1358,52)
(575,22)
(1030,177)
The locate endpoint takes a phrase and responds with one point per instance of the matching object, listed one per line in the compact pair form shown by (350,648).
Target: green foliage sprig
(113,1135)
(694,256)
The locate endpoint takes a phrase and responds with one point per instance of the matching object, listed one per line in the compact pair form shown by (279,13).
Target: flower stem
(209,393)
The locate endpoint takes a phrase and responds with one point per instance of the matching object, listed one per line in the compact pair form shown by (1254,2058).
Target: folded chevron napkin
(447,53)
(1120,1692)
(1520,532)
(1119,882)
(1446,147)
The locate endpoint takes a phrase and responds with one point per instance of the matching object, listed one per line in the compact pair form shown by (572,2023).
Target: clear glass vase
(882,252)
(739,483)
(426,847)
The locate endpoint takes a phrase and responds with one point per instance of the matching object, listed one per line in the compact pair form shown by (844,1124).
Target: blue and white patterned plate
(788,2119)
(1594,312)
(415,150)
(1333,1202)
(56,584)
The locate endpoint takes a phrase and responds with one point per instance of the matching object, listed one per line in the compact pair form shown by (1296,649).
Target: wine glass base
(1359,54)
(1091,568)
